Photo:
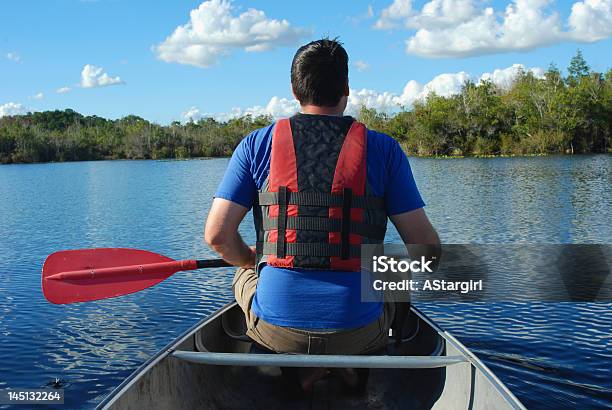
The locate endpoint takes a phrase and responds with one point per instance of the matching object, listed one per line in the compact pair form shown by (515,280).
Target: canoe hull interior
(167,382)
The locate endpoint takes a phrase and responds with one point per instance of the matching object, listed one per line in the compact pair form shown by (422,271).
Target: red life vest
(314,210)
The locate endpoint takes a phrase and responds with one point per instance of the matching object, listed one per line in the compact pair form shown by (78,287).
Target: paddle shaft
(142,269)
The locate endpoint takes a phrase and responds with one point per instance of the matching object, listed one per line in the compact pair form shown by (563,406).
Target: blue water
(549,355)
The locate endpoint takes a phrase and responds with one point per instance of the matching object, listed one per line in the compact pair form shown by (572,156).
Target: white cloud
(505,77)
(454,28)
(384,101)
(412,91)
(192,115)
(12,108)
(441,13)
(92,76)
(591,20)
(13,56)
(38,96)
(443,85)
(361,65)
(446,85)
(277,107)
(62,90)
(214,30)
(398,10)
(435,13)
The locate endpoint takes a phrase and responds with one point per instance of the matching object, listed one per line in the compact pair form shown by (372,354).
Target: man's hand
(221,233)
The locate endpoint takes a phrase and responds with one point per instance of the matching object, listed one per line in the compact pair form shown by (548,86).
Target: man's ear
(347,90)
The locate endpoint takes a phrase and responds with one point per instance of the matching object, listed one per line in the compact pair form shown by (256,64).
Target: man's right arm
(221,233)
(405,205)
(418,234)
(233,199)
(414,228)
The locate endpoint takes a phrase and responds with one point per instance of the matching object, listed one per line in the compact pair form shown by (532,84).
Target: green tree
(578,67)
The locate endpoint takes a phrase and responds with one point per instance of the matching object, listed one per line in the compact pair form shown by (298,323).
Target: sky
(180,60)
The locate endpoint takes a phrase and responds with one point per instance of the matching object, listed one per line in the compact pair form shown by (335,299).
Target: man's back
(317,298)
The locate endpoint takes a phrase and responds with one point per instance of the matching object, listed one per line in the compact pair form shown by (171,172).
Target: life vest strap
(321,199)
(308,249)
(347,197)
(282,222)
(321,224)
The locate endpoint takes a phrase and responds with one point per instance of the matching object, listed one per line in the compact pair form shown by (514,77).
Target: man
(320,185)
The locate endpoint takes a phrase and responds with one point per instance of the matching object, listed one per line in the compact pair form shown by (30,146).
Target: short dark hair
(319,72)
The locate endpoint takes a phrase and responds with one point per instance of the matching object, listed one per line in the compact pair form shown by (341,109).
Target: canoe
(215,366)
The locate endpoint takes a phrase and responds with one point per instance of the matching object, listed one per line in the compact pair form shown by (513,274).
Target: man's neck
(320,110)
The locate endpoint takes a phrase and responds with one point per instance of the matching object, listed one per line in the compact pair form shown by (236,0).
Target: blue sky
(223,62)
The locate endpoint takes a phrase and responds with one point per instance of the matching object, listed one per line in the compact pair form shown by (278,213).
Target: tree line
(69,136)
(554,114)
(549,115)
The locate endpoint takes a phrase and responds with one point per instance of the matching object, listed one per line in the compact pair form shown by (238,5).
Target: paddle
(92,274)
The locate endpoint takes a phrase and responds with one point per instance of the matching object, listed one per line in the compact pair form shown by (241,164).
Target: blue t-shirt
(305,298)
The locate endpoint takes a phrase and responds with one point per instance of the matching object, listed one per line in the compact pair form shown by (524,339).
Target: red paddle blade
(92,274)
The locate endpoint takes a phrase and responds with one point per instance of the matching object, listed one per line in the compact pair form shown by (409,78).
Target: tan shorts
(366,339)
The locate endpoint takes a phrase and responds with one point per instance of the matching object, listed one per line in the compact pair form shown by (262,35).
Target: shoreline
(452,157)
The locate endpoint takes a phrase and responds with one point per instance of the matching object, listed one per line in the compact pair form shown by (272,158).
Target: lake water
(551,355)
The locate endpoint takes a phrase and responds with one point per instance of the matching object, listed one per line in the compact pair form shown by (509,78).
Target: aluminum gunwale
(158,357)
(474,361)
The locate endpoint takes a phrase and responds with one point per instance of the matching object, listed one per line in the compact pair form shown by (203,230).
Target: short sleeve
(401,192)
(237,184)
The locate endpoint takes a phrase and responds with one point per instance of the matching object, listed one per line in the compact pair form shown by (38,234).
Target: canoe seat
(302,360)
(236,334)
